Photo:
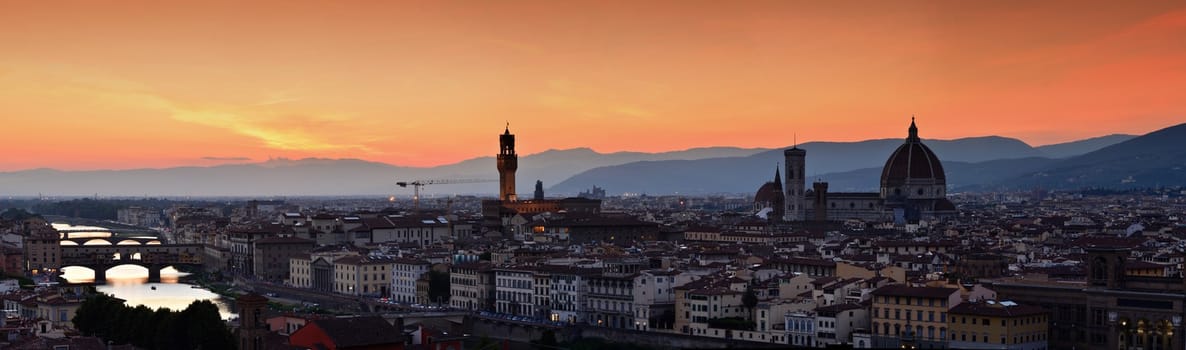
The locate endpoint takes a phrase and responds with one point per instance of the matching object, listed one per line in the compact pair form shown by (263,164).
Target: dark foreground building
(1110,310)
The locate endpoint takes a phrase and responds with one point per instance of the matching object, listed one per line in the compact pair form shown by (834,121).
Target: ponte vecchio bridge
(147,252)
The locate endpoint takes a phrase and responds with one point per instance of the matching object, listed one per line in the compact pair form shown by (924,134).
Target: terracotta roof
(901,290)
(359,331)
(996,309)
(283,240)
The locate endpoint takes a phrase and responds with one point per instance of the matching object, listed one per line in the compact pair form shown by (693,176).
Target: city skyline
(148,85)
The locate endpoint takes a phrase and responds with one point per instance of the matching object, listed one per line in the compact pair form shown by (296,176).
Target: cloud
(268,122)
(515,45)
(590,102)
(276,130)
(227,159)
(634,112)
(277,98)
(305,132)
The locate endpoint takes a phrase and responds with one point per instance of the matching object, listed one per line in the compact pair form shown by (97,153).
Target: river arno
(130,282)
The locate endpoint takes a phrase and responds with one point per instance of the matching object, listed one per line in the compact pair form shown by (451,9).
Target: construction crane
(417,184)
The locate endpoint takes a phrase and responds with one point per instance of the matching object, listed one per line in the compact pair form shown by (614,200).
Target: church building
(913,187)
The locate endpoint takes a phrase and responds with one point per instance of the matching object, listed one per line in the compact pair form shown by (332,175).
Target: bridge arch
(131,269)
(64,242)
(128,242)
(97,241)
(153,256)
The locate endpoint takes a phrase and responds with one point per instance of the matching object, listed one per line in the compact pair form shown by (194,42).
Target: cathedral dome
(767,193)
(913,170)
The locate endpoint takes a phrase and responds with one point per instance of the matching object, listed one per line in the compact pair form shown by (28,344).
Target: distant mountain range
(1152,160)
(847,166)
(327,177)
(971,163)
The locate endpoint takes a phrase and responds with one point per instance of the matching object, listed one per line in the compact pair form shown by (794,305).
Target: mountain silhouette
(973,163)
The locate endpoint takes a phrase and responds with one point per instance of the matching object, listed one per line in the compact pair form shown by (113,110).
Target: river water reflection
(130,282)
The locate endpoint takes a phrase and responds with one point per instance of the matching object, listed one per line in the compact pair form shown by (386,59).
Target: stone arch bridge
(154,257)
(114,240)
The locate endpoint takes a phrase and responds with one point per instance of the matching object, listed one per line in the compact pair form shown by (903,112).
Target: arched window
(1099,269)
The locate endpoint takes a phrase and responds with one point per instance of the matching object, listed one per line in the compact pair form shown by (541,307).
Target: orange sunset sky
(132,84)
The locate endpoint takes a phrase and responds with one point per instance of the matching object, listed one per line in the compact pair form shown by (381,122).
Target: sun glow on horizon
(152,85)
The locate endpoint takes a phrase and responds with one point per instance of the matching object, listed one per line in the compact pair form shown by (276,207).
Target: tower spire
(913,131)
(777,175)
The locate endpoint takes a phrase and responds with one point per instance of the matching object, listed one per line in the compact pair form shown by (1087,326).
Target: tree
(750,300)
(205,328)
(199,326)
(438,287)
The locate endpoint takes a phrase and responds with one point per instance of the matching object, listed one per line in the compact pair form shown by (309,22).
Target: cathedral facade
(913,187)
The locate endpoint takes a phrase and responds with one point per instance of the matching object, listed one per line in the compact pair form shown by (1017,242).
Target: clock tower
(508,162)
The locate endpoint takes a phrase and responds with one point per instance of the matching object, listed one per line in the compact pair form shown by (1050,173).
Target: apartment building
(911,316)
(1001,325)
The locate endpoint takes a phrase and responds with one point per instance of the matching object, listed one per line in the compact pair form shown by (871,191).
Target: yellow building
(714,303)
(702,300)
(911,317)
(362,276)
(997,325)
(42,252)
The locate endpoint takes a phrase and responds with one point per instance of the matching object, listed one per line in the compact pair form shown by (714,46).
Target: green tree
(199,326)
(204,327)
(750,300)
(97,314)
